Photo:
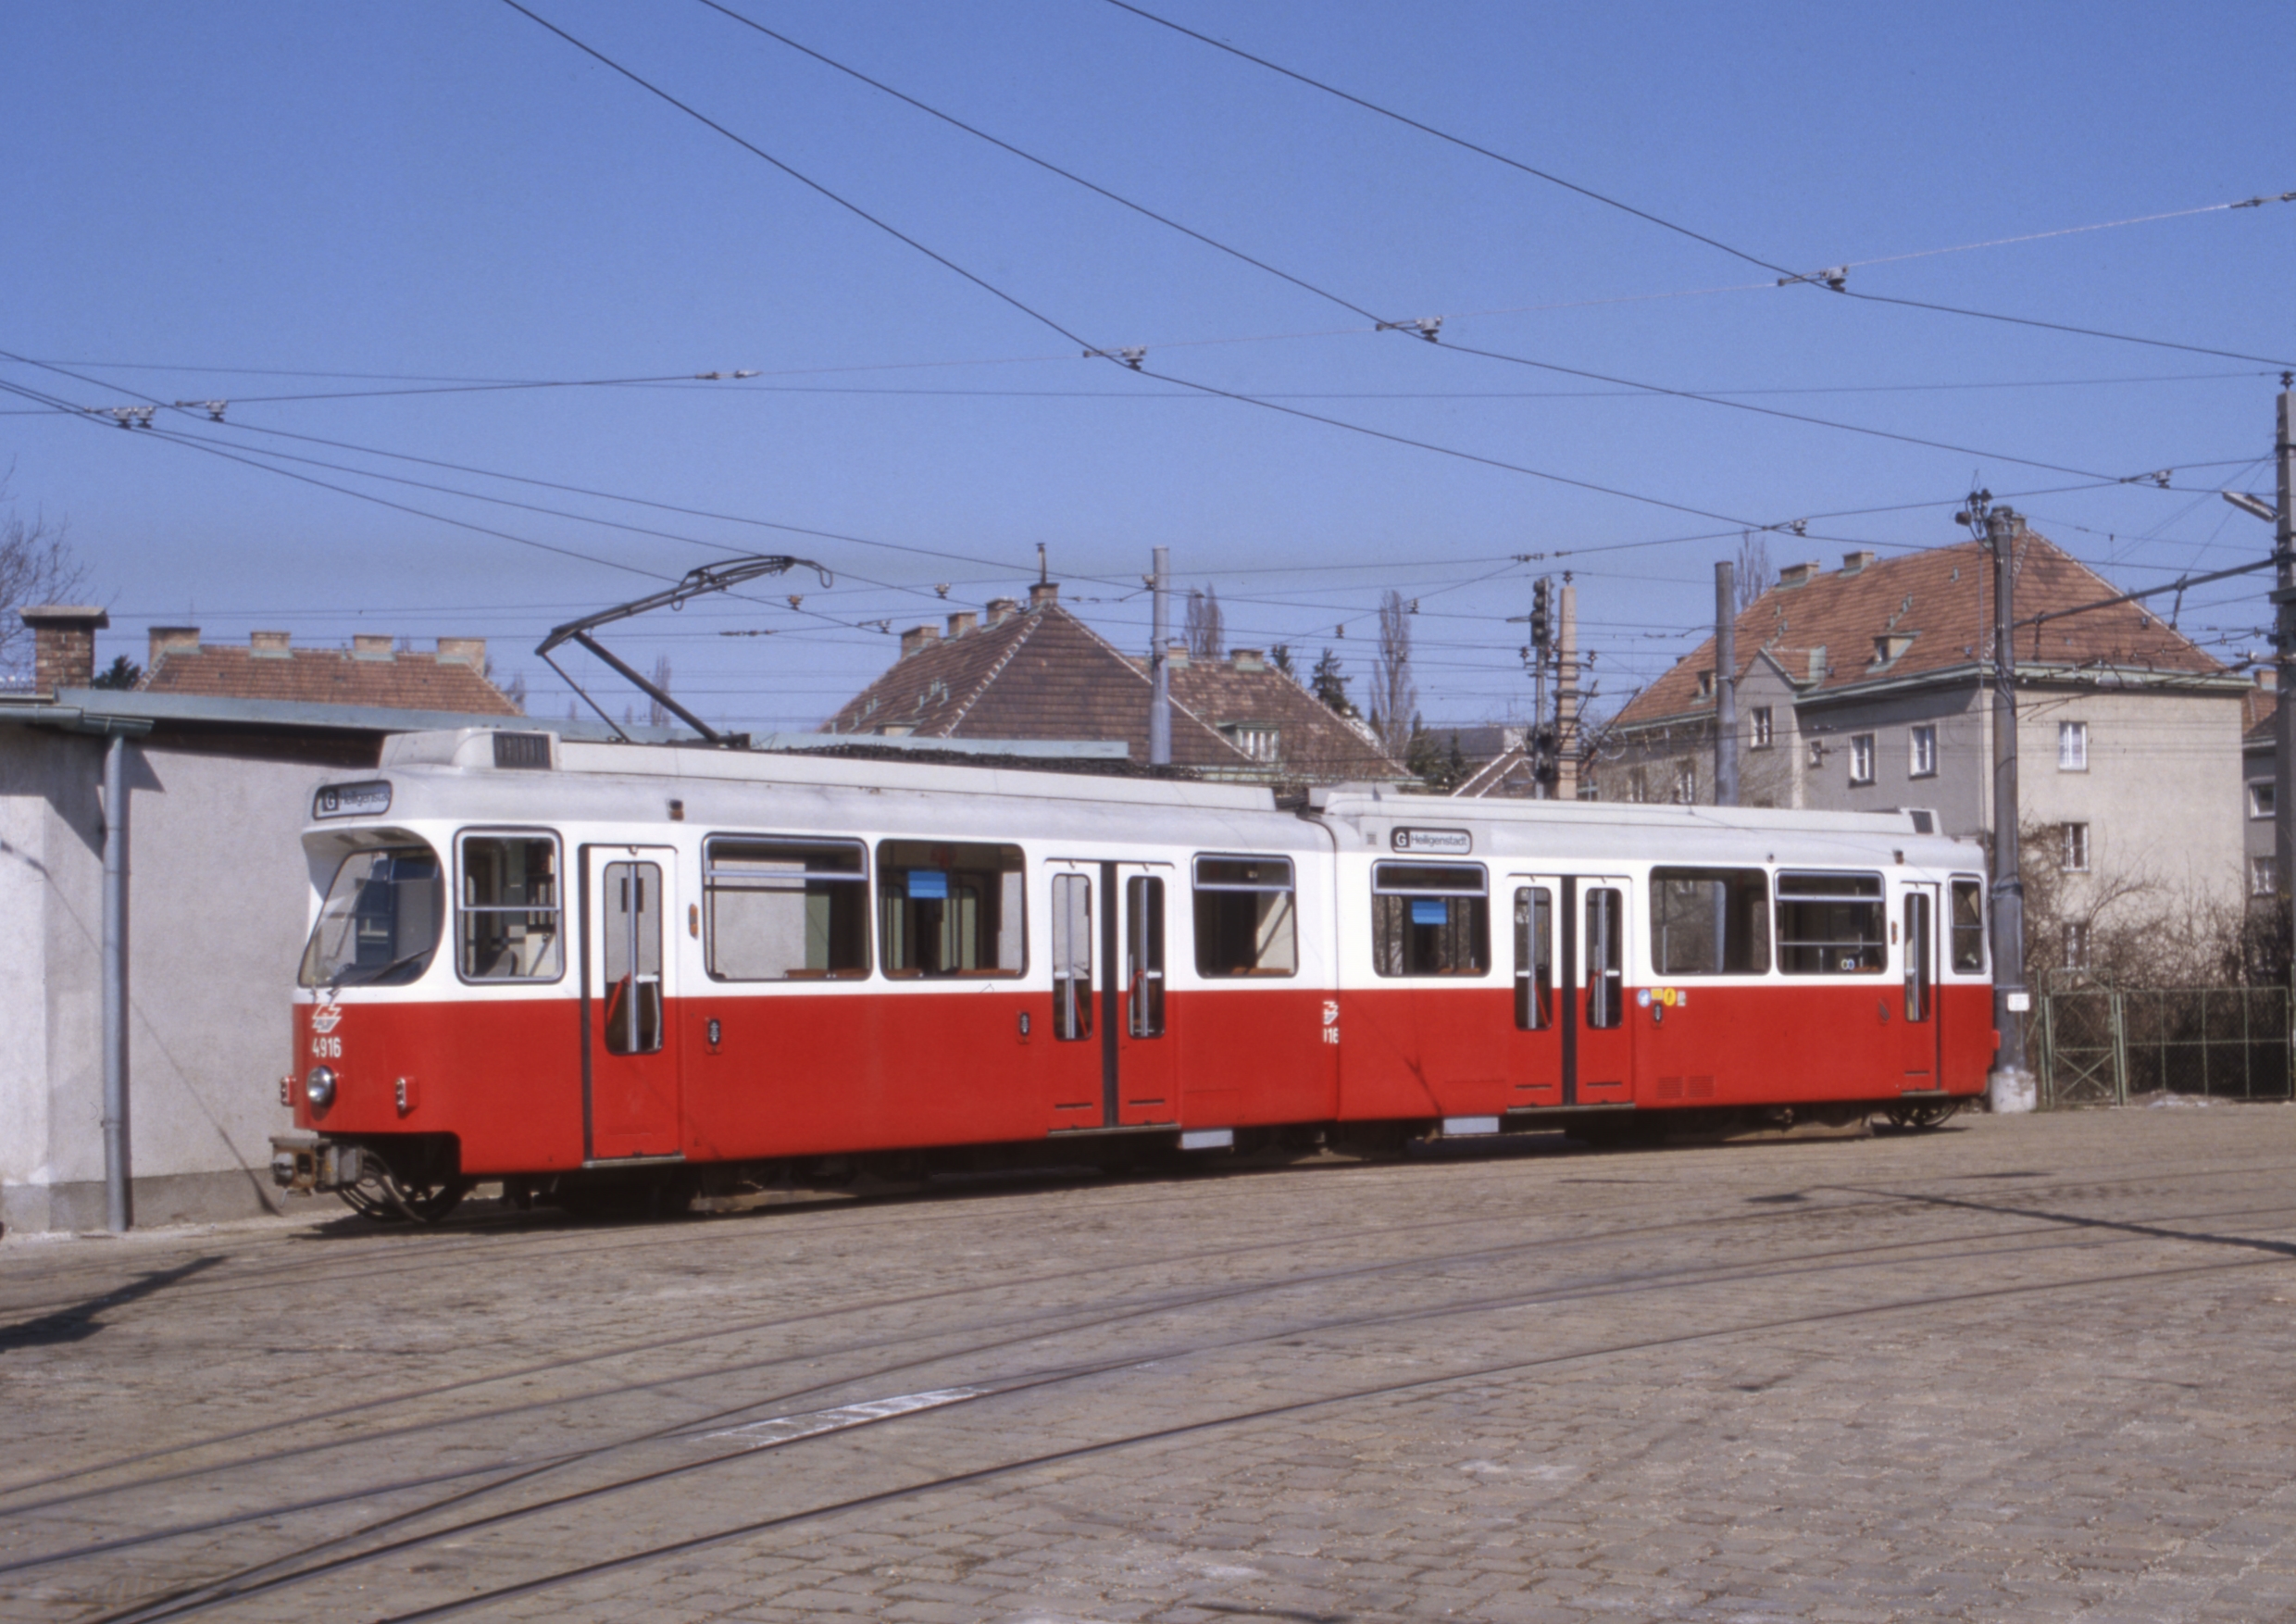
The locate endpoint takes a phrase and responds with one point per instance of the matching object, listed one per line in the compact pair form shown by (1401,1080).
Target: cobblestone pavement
(2021,1369)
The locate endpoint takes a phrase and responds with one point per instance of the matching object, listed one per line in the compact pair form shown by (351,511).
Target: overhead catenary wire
(1787,276)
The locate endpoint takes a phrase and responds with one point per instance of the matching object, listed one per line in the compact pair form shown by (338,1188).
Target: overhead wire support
(706,578)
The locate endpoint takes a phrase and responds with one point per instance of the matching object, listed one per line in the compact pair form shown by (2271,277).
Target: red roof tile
(399,680)
(1044,674)
(1926,612)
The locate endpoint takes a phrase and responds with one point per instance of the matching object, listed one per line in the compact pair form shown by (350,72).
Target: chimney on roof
(1003,609)
(270,646)
(1175,656)
(468,651)
(960,624)
(918,638)
(1044,592)
(167,640)
(1854,563)
(1795,575)
(63,639)
(1247,660)
(370,645)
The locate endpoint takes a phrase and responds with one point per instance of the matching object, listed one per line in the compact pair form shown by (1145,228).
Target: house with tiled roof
(373,672)
(1869,687)
(1040,672)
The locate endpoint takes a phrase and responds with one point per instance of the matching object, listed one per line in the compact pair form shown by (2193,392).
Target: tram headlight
(319,1087)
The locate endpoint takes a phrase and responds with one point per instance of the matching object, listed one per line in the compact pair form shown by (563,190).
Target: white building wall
(218,899)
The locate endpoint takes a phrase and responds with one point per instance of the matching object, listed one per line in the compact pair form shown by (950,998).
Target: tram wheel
(367,1204)
(1923,1115)
(425,1202)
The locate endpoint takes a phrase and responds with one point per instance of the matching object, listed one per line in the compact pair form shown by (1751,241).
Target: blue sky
(248,201)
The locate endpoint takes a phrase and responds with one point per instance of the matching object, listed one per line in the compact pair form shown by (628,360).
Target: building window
(2077,945)
(2072,746)
(1257,739)
(1762,729)
(1817,752)
(1861,759)
(2260,798)
(2264,876)
(1922,762)
(1686,782)
(2073,847)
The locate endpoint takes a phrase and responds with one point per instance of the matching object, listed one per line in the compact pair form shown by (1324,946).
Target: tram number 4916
(326,1047)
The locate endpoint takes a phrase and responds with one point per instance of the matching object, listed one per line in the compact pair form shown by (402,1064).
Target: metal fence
(2098,1045)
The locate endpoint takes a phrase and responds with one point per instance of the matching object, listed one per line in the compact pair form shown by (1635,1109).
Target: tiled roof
(397,681)
(1897,618)
(2258,709)
(1044,674)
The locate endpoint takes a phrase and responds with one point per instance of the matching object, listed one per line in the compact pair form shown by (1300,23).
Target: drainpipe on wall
(117,1210)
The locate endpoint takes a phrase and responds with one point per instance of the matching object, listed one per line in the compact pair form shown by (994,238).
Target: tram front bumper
(303,1163)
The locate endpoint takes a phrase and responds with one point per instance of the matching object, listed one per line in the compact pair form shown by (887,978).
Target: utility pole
(1536,654)
(2010,1088)
(1566,694)
(2284,662)
(1159,669)
(1725,685)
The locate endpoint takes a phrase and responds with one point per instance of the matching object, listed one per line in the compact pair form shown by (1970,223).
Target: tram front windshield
(381,923)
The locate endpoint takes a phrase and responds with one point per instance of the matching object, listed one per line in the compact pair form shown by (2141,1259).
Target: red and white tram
(580,968)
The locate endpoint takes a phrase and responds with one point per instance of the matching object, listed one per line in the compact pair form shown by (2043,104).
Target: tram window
(1429,919)
(1710,922)
(1831,924)
(380,924)
(630,928)
(1534,957)
(1246,924)
(786,910)
(1143,958)
(507,926)
(1072,956)
(1969,927)
(949,909)
(1606,942)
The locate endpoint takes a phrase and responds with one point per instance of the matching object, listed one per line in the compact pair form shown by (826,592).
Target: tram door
(1112,1063)
(1147,1079)
(1598,1034)
(630,1047)
(1535,1041)
(1919,1030)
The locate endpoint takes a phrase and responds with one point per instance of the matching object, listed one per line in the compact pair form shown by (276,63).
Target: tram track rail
(991,1384)
(225,1590)
(1863,1200)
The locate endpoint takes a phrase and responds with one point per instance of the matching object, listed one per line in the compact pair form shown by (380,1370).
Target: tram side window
(508,926)
(1429,919)
(1831,925)
(1246,924)
(786,910)
(951,908)
(1710,922)
(380,924)
(1969,927)
(1534,957)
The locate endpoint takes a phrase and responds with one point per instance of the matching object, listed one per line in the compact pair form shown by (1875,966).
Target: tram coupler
(303,1164)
